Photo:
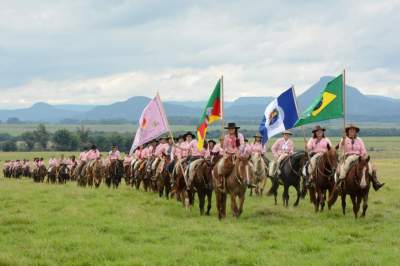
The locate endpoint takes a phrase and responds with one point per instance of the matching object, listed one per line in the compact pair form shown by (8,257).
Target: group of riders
(185,149)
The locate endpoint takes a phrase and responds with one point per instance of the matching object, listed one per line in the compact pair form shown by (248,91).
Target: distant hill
(360,107)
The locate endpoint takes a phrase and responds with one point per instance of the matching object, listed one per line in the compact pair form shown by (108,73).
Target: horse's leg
(285,196)
(354,201)
(343,203)
(209,198)
(235,211)
(219,204)
(358,204)
(251,192)
(333,195)
(323,200)
(365,204)
(298,195)
(224,196)
(241,198)
(201,196)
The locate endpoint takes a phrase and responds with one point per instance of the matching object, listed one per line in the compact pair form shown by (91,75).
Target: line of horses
(182,180)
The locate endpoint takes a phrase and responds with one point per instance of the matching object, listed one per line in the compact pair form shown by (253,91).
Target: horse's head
(332,157)
(363,172)
(215,157)
(243,169)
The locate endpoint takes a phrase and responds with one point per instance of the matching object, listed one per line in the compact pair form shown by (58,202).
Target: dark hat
(164,137)
(352,126)
(93,147)
(114,146)
(246,140)
(232,125)
(189,133)
(287,132)
(318,128)
(212,141)
(258,135)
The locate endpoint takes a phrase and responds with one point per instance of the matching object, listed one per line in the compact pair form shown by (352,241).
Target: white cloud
(103,51)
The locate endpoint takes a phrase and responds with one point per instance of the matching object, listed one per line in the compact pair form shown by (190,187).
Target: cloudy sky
(101,51)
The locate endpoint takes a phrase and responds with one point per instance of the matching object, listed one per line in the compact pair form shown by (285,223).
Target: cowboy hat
(287,132)
(189,133)
(352,126)
(213,141)
(258,135)
(232,125)
(318,128)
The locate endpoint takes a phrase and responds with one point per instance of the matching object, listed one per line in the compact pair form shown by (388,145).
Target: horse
(26,172)
(163,180)
(62,174)
(357,184)
(39,173)
(237,175)
(72,172)
(52,175)
(291,175)
(17,171)
(7,171)
(139,172)
(179,183)
(324,178)
(80,174)
(127,174)
(260,171)
(115,171)
(201,173)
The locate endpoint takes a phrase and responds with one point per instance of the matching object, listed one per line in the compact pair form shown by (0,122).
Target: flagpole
(222,106)
(302,126)
(344,100)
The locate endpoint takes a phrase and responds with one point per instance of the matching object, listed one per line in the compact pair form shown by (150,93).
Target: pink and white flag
(152,123)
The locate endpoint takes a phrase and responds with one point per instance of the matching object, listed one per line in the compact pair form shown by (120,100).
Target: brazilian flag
(329,105)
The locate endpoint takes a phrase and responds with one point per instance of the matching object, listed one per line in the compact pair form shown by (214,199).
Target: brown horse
(324,178)
(95,172)
(38,173)
(357,184)
(260,171)
(237,180)
(179,182)
(163,180)
(201,173)
(127,174)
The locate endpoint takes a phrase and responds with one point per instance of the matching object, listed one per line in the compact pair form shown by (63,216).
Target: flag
(211,113)
(152,123)
(328,105)
(281,114)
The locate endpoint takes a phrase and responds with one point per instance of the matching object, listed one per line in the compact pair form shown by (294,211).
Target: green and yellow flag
(329,105)
(211,113)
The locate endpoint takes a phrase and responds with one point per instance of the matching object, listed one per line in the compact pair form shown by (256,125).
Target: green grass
(42,224)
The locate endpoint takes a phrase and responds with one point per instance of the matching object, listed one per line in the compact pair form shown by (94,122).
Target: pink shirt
(230,143)
(138,154)
(82,156)
(282,147)
(128,159)
(194,150)
(185,148)
(356,148)
(52,162)
(40,163)
(177,152)
(161,149)
(92,155)
(257,148)
(114,155)
(218,149)
(316,146)
(247,150)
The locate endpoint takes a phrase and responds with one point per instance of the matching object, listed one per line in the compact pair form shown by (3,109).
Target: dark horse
(357,184)
(291,175)
(201,170)
(38,173)
(63,174)
(324,178)
(163,180)
(115,172)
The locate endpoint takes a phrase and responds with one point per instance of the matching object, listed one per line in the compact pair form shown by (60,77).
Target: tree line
(41,139)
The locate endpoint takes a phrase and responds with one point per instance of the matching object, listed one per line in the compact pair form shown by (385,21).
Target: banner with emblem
(281,114)
(328,105)
(211,113)
(152,123)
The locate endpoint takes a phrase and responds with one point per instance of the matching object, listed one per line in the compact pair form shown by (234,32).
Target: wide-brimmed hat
(189,134)
(318,128)
(211,140)
(352,126)
(287,132)
(93,147)
(258,135)
(232,125)
(164,137)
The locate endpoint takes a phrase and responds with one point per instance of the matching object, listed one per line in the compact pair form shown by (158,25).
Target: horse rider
(282,148)
(194,153)
(210,147)
(160,151)
(114,154)
(127,159)
(232,144)
(354,148)
(257,147)
(316,147)
(52,163)
(82,160)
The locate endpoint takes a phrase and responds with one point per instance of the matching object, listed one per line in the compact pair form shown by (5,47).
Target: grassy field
(43,224)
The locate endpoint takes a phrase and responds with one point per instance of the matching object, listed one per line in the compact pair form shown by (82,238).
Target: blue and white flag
(281,114)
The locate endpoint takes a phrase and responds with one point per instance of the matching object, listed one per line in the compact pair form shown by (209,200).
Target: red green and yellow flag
(211,113)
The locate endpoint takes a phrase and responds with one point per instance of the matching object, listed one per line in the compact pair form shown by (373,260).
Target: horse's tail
(274,188)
